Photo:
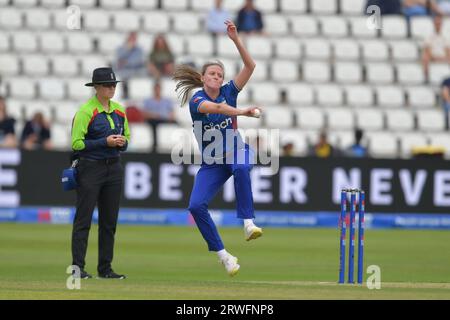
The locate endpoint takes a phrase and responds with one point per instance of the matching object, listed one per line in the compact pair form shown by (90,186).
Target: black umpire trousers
(99,183)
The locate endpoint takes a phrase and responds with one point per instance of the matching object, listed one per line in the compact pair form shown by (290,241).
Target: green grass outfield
(173,263)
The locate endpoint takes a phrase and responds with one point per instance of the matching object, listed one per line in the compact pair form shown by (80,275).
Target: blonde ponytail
(188,79)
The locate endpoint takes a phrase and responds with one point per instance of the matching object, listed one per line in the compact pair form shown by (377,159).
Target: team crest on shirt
(196,99)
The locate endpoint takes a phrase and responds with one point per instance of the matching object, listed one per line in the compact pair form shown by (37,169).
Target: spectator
(386,6)
(130,60)
(357,150)
(420,8)
(7,133)
(215,22)
(444,5)
(436,47)
(288,149)
(323,149)
(161,60)
(446,100)
(158,110)
(249,19)
(36,134)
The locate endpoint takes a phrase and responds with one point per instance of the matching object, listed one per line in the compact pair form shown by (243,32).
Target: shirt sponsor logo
(223,125)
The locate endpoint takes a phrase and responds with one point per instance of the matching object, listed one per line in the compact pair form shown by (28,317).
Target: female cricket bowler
(214,109)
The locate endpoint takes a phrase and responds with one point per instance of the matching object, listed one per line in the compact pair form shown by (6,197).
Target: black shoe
(83,274)
(112,275)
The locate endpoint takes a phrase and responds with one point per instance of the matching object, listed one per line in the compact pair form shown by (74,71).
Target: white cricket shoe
(231,265)
(252,232)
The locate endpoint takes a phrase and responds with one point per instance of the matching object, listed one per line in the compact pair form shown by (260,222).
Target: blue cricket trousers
(209,179)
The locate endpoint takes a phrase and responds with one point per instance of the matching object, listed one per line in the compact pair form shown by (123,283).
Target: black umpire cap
(102,75)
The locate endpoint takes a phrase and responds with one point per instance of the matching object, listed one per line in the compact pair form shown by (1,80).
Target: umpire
(99,134)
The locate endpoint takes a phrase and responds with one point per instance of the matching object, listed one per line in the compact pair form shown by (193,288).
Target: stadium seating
(317,66)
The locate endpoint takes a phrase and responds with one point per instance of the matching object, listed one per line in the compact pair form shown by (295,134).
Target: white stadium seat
(441,140)
(76,89)
(293,6)
(126,21)
(382,145)
(261,72)
(37,19)
(288,48)
(9,64)
(317,48)
(25,3)
(421,27)
(176,43)
(91,62)
(113,4)
(201,45)
(65,111)
(61,136)
(278,117)
(276,24)
(179,5)
(390,96)
(323,6)
(65,66)
(380,73)
(334,26)
(226,48)
(22,88)
(10,18)
(33,107)
(143,4)
(359,29)
(421,97)
(83,3)
(51,89)
(329,95)
(170,135)
(52,42)
(97,20)
(430,120)
(299,94)
(248,122)
(265,93)
(52,3)
(399,120)
(438,72)
(316,72)
(342,138)
(374,50)
(109,42)
(259,47)
(394,26)
(353,7)
(345,49)
(200,5)
(141,137)
(369,119)
(232,5)
(35,65)
(284,71)
(359,96)
(404,50)
(348,72)
(304,25)
(186,23)
(156,22)
(310,118)
(340,118)
(14,109)
(139,88)
(24,41)
(4,42)
(79,42)
(410,140)
(410,73)
(266,6)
